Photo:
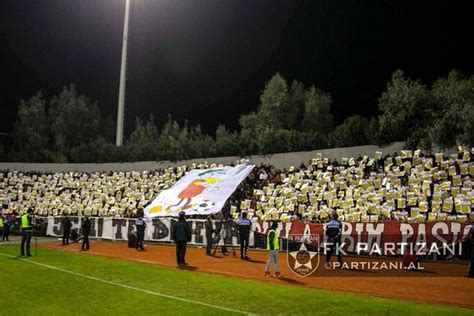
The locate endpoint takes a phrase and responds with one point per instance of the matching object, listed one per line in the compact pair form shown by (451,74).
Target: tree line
(290,117)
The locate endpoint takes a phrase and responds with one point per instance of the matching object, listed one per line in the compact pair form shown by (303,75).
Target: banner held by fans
(199,192)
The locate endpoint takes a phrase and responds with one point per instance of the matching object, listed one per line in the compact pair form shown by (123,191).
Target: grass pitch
(64,283)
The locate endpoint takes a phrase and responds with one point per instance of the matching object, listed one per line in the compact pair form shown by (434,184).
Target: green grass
(31,289)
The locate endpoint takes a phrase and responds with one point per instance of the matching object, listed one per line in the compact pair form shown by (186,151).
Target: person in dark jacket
(244,233)
(140,224)
(470,238)
(209,233)
(223,236)
(67,224)
(334,234)
(181,235)
(86,231)
(6,229)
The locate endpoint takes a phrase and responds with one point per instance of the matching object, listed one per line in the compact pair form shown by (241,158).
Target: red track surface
(429,286)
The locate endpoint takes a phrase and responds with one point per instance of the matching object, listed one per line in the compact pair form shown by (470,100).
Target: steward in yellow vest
(26,232)
(273,247)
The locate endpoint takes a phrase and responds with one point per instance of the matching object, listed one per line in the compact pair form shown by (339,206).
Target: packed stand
(409,187)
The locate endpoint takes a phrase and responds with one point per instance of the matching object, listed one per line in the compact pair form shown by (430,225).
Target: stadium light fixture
(123,71)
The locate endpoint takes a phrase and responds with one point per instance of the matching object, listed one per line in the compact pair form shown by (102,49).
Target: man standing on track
(26,232)
(244,233)
(140,225)
(181,235)
(470,239)
(86,230)
(209,232)
(6,229)
(333,233)
(67,224)
(273,248)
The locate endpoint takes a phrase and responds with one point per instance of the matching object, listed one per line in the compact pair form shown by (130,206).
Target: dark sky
(208,61)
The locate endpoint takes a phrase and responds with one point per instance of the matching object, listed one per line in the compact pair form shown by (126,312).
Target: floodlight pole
(123,71)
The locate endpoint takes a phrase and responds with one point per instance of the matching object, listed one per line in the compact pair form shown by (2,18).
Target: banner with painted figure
(157,229)
(160,230)
(199,192)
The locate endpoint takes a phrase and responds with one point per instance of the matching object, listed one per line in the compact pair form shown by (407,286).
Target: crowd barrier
(160,230)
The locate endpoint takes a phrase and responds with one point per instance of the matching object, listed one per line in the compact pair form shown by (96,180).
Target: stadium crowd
(409,187)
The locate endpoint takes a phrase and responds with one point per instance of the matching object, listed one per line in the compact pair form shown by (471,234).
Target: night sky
(208,61)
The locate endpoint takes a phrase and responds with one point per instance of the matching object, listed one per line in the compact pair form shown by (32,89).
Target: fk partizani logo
(302,254)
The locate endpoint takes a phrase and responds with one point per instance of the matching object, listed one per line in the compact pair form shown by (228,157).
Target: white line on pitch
(129,287)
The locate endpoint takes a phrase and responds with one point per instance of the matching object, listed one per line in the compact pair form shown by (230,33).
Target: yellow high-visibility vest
(25,223)
(276,245)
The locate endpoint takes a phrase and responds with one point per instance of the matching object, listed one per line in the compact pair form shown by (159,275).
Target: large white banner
(157,229)
(199,192)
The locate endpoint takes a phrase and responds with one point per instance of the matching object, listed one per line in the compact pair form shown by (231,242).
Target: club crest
(302,254)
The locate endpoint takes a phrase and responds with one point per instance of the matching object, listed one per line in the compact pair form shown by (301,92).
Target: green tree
(275,108)
(30,141)
(227,143)
(143,141)
(108,129)
(406,112)
(353,132)
(251,127)
(453,98)
(272,141)
(281,113)
(317,115)
(372,131)
(297,98)
(202,145)
(169,146)
(74,120)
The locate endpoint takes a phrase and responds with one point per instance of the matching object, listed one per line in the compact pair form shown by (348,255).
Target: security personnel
(273,248)
(26,232)
(333,233)
(140,225)
(244,232)
(86,231)
(181,235)
(6,229)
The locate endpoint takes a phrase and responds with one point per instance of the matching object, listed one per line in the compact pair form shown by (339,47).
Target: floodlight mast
(123,72)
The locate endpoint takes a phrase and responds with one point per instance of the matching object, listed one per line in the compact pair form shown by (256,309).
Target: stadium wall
(283,160)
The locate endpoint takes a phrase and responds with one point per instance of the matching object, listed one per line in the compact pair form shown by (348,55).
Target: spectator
(181,235)
(86,230)
(67,224)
